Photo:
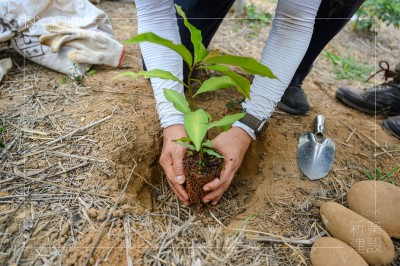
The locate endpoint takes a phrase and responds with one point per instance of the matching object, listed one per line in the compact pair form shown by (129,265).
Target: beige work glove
(92,47)
(5,65)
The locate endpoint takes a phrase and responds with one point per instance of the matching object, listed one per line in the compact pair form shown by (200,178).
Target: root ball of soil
(198,173)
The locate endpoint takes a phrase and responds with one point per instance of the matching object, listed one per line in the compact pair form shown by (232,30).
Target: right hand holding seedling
(233,145)
(171,160)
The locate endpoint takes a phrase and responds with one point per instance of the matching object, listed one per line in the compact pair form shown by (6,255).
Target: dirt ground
(98,196)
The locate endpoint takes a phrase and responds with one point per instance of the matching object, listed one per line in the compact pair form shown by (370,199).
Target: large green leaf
(178,100)
(155,73)
(248,64)
(216,83)
(154,38)
(196,125)
(200,52)
(226,121)
(242,84)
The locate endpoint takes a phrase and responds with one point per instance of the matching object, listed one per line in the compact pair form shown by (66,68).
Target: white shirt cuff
(245,128)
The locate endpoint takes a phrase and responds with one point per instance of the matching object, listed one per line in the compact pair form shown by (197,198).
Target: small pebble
(65,229)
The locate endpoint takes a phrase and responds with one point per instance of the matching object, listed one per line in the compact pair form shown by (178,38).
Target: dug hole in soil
(58,198)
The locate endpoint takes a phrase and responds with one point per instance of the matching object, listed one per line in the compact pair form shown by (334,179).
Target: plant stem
(201,154)
(201,159)
(189,86)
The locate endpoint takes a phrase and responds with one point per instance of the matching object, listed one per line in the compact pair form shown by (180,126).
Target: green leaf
(248,64)
(226,121)
(186,145)
(207,144)
(154,38)
(155,73)
(216,83)
(389,174)
(183,139)
(178,100)
(242,84)
(368,174)
(209,117)
(200,52)
(226,128)
(213,153)
(196,125)
(212,54)
(378,172)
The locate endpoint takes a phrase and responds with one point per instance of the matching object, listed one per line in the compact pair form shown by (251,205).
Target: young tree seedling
(198,122)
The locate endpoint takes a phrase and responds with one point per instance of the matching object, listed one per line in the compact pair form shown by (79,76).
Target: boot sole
(292,111)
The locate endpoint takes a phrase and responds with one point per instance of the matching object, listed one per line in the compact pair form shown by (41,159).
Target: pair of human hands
(232,144)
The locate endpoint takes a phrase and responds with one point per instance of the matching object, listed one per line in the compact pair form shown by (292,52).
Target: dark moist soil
(197,175)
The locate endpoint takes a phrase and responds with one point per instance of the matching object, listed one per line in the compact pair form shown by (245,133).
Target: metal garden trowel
(315,152)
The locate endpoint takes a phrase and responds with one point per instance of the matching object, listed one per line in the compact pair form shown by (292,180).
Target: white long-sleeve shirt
(284,49)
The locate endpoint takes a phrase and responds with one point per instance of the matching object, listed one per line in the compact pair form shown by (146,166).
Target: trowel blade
(315,159)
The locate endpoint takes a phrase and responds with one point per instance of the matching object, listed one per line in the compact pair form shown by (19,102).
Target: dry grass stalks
(43,186)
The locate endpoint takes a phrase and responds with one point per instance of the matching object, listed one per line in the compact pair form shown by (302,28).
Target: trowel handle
(319,124)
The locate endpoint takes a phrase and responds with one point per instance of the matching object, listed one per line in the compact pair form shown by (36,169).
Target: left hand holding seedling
(232,144)
(171,160)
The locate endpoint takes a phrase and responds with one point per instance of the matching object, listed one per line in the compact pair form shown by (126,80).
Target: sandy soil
(57,199)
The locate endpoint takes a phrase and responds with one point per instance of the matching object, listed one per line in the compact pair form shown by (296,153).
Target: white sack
(21,22)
